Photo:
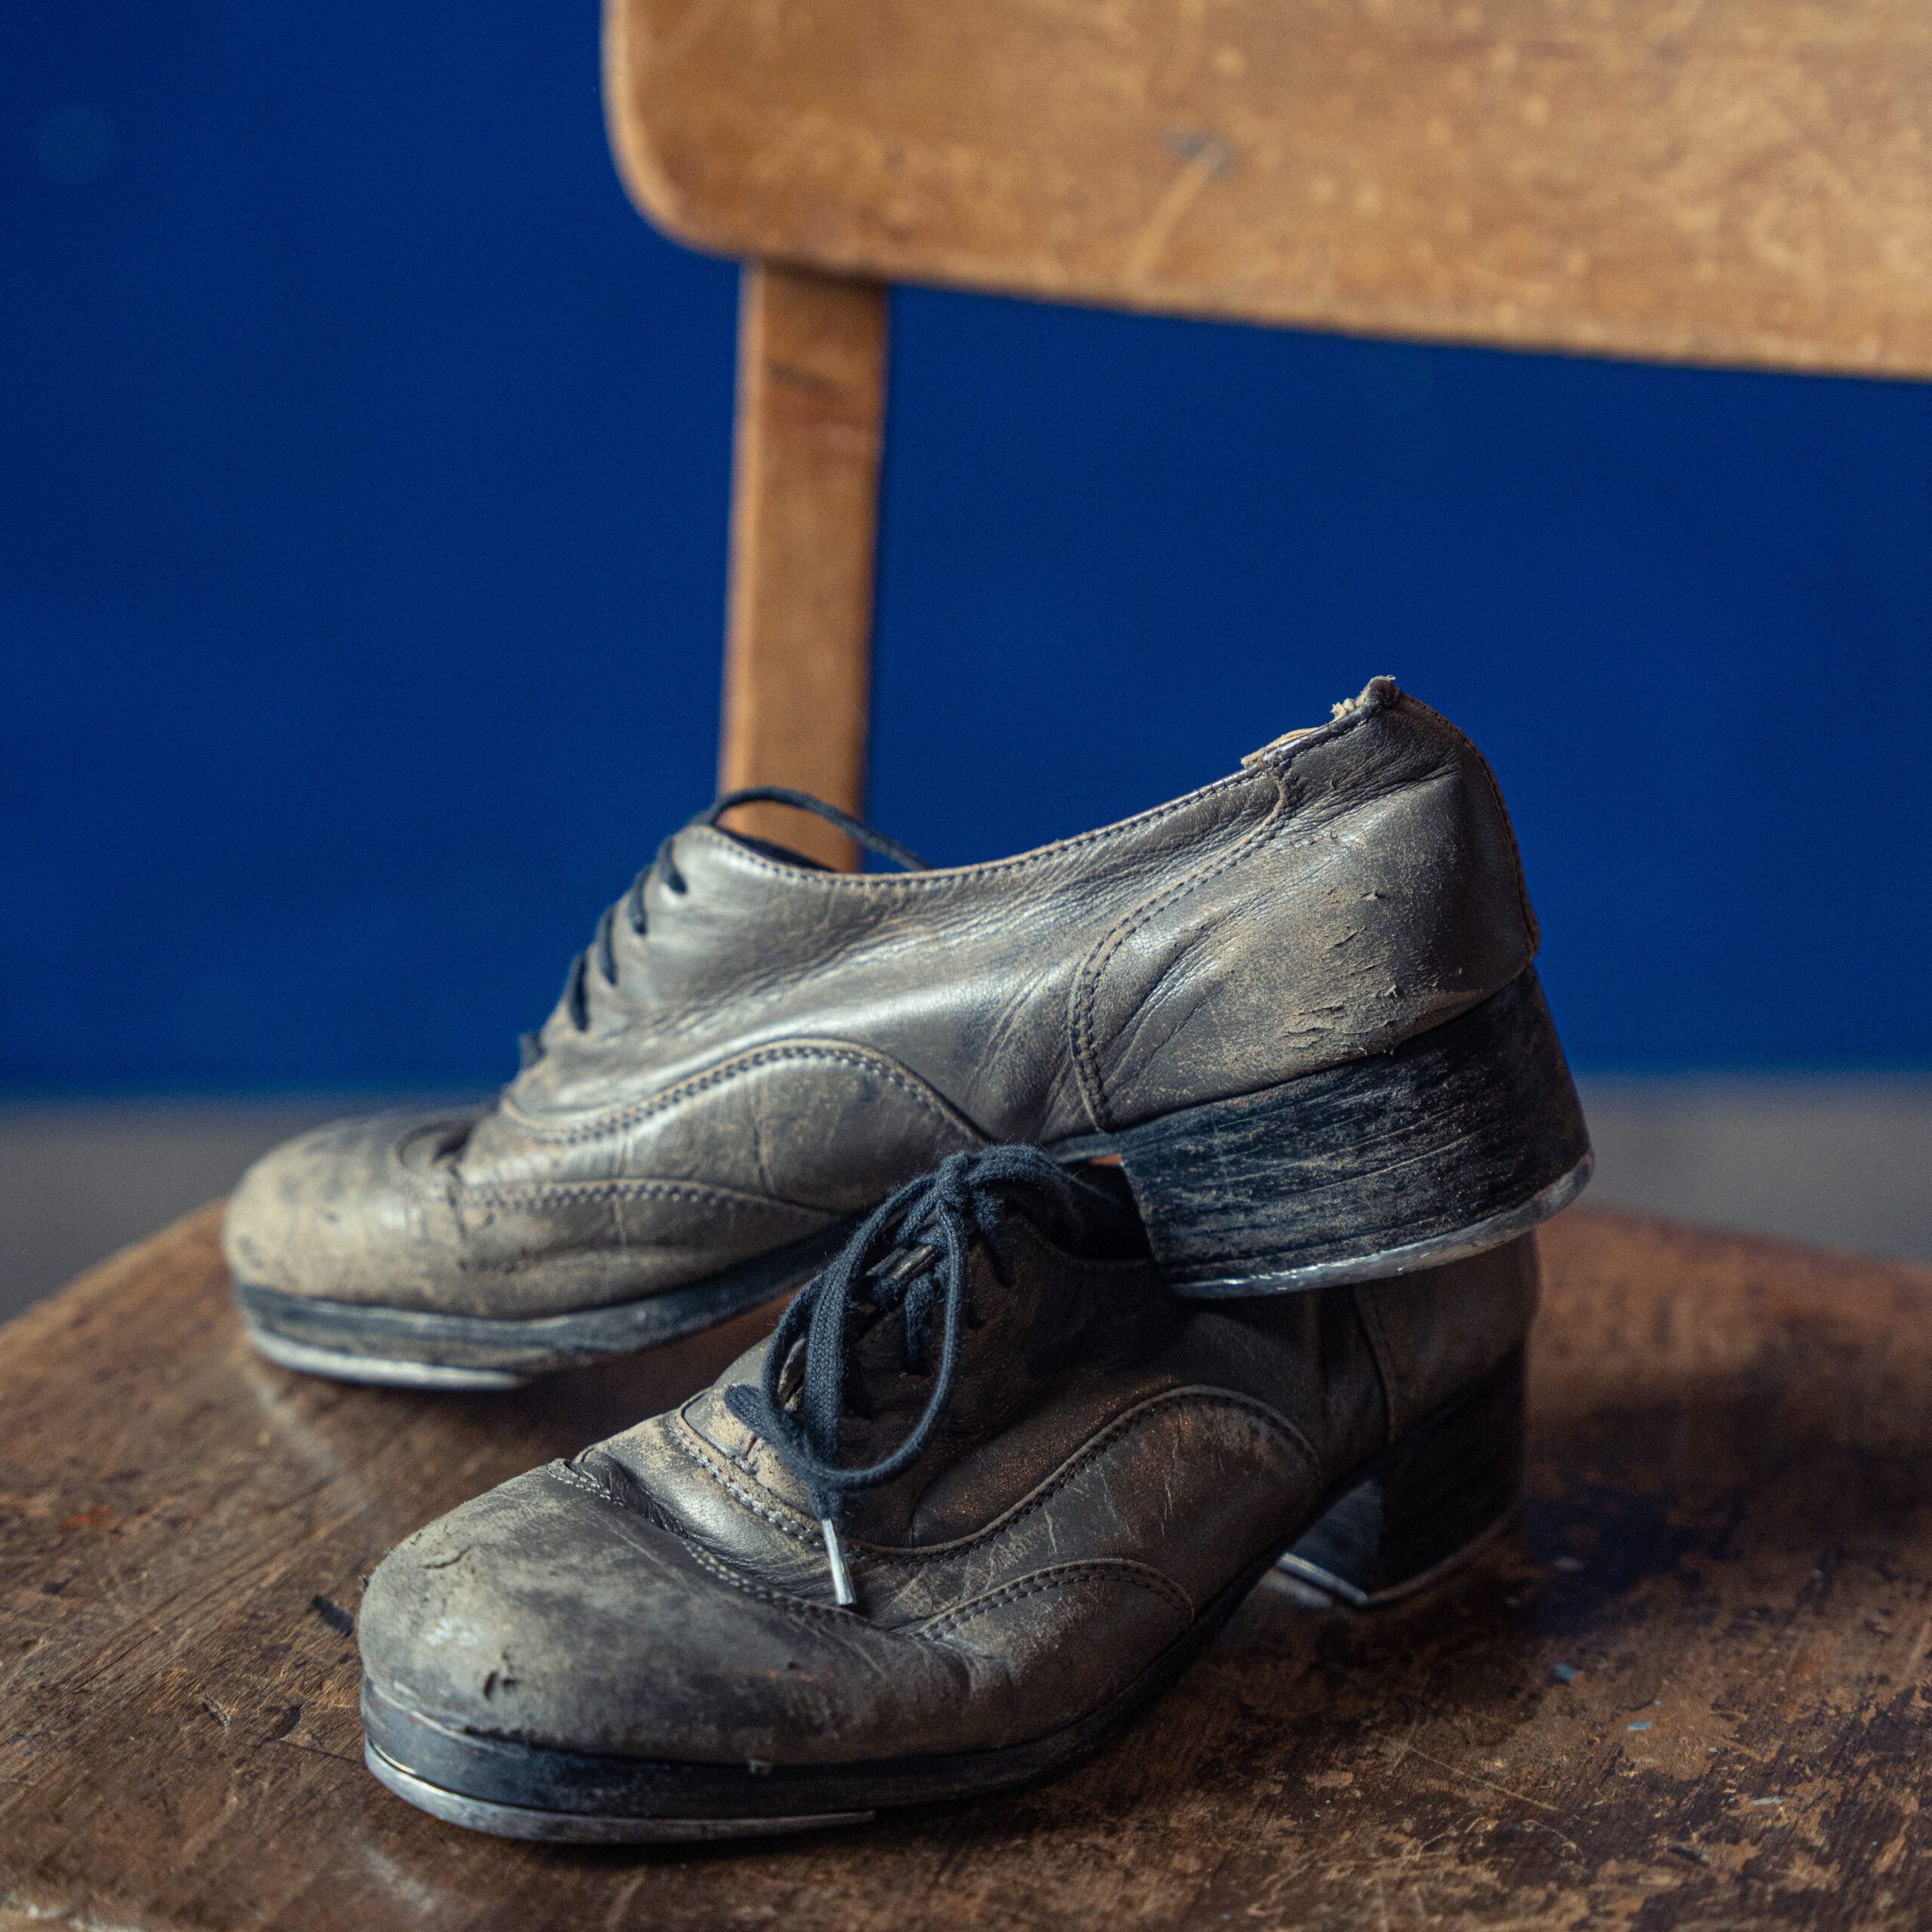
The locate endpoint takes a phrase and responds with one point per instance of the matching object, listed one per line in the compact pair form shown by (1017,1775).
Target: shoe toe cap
(544,1612)
(348,1212)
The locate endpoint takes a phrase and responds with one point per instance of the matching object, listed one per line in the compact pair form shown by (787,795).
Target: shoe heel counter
(1493,861)
(1423,860)
(1381,895)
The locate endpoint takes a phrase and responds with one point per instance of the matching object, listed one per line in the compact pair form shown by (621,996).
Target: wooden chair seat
(1692,1693)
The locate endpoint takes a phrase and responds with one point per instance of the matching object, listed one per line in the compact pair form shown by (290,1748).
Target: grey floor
(1841,1163)
(79,1181)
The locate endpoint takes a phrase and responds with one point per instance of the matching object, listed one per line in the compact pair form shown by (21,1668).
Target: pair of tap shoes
(1158,1205)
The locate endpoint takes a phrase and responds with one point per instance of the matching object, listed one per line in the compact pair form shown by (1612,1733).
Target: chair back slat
(1731,181)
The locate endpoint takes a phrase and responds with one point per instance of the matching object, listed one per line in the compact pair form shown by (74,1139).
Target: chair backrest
(1738,182)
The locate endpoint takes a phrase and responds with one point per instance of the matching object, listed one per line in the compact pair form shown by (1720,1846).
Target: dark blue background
(363,545)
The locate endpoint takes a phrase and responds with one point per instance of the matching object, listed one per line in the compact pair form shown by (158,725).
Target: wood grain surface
(1732,181)
(1693,1694)
(805,516)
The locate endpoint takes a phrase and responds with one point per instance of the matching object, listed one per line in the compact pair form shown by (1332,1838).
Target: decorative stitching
(794,1524)
(951,875)
(560,1471)
(510,1192)
(775,1513)
(797,1606)
(1086,1068)
(789,1524)
(1037,1583)
(739,1459)
(1087,981)
(939,875)
(1110,1437)
(885,1070)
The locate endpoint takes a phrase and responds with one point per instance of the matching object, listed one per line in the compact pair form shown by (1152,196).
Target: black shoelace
(602,950)
(911,1253)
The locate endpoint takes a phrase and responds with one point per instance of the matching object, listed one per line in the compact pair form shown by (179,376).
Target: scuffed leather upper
(782,1045)
(1114,1460)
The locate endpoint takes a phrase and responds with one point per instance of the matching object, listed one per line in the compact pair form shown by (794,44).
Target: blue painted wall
(361,550)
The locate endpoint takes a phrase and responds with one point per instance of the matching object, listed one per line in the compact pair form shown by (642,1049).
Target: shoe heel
(1428,1504)
(1459,1139)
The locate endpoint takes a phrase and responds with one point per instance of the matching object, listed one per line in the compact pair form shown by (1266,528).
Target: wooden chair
(1737,182)
(1694,1692)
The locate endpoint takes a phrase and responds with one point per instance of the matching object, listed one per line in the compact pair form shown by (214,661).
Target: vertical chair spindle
(805,515)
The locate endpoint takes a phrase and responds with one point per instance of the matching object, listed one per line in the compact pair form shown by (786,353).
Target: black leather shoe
(989,1489)
(1297,1007)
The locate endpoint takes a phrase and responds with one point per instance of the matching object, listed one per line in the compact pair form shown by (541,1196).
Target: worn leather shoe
(1297,1007)
(987,1490)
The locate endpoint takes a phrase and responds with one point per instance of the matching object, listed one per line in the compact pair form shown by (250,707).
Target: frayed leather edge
(1379,694)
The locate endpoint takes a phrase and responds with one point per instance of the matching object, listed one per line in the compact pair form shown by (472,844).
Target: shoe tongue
(1022,1325)
(994,1378)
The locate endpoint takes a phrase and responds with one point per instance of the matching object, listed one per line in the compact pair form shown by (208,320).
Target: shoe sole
(524,1821)
(403,1348)
(1423,1510)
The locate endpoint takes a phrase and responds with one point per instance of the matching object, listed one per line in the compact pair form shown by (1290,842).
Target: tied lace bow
(910,1253)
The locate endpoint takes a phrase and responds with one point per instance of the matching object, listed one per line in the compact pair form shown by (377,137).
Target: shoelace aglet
(904,1265)
(842,1591)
